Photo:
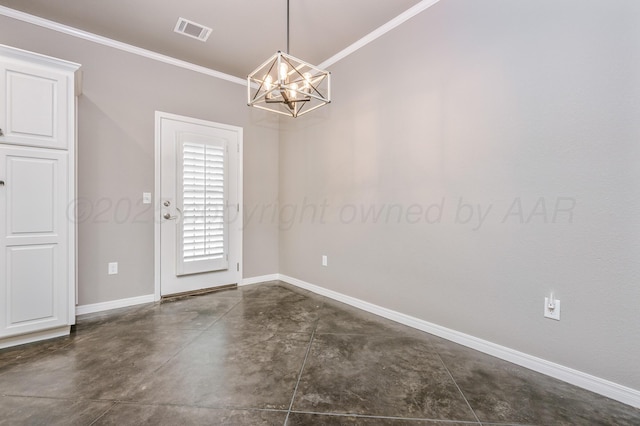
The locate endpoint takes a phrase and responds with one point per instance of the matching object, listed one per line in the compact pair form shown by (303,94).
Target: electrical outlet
(324,260)
(552,308)
(113,268)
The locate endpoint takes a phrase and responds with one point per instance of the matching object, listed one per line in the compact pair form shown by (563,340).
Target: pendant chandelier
(287,85)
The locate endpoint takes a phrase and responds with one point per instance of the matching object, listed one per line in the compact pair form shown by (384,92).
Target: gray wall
(121,92)
(527,111)
(524,113)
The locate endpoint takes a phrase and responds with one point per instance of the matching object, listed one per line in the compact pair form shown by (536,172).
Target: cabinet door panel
(34,106)
(31,195)
(34,282)
(30,289)
(26,116)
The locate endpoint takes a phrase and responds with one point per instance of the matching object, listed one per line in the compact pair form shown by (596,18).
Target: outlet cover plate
(113,268)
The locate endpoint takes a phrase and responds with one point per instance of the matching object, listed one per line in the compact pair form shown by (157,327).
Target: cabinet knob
(1,133)
(1,183)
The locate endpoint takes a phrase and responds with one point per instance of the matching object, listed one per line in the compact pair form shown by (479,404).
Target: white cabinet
(34,101)
(34,231)
(37,187)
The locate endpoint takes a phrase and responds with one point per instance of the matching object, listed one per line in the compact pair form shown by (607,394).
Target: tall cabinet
(37,190)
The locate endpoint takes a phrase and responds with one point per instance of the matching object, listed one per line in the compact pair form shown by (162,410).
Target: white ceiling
(245,32)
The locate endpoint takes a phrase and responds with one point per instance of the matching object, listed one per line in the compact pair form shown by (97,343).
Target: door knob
(1,183)
(1,133)
(169,217)
(167,203)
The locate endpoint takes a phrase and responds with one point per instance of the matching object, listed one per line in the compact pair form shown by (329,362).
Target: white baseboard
(586,381)
(114,304)
(260,279)
(150,298)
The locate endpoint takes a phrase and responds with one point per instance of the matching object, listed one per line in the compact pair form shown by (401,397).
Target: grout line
(325,333)
(118,402)
(204,407)
(304,362)
(373,416)
(458,387)
(57,398)
(507,424)
(121,401)
(180,350)
(103,414)
(155,370)
(223,315)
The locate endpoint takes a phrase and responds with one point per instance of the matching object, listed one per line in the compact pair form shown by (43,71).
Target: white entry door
(199,216)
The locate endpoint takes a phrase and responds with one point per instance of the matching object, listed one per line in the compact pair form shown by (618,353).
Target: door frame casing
(159,116)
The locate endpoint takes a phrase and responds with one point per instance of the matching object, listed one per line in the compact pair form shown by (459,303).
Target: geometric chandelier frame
(287,85)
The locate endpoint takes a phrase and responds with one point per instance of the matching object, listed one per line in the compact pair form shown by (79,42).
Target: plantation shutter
(202,176)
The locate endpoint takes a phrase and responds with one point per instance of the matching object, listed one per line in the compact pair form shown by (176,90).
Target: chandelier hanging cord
(287,27)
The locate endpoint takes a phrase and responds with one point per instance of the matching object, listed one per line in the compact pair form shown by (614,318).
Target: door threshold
(178,296)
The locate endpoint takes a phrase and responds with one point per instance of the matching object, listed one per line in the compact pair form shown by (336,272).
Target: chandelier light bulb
(293,90)
(283,72)
(268,85)
(306,87)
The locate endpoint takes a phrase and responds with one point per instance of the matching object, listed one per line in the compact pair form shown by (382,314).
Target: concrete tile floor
(273,354)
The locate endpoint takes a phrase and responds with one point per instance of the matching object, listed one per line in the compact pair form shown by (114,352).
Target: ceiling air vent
(191,29)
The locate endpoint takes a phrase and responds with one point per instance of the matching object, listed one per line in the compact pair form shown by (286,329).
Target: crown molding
(400,19)
(85,35)
(74,32)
